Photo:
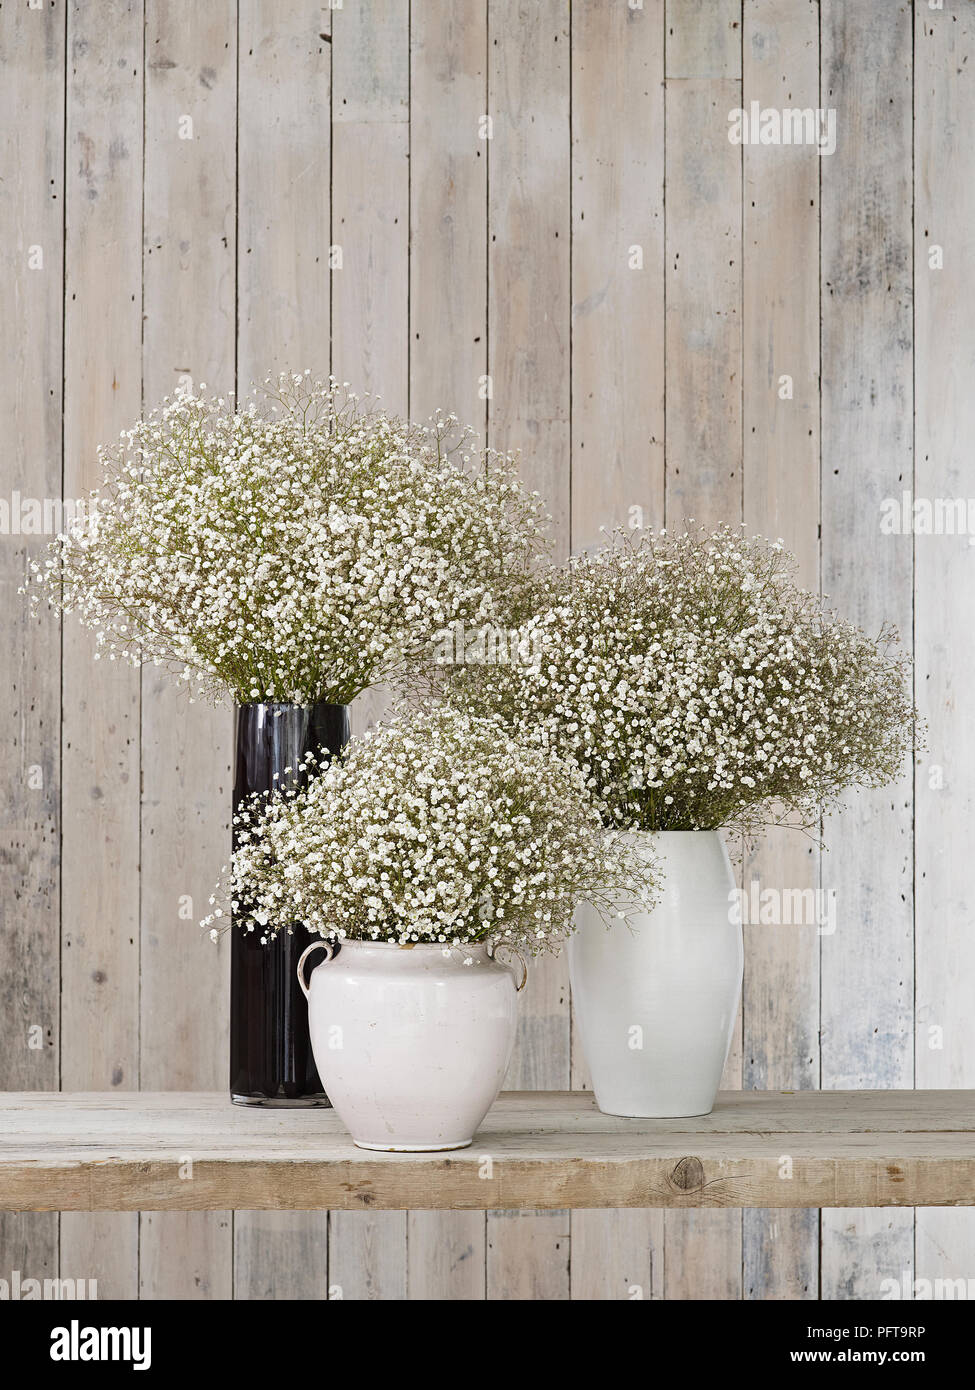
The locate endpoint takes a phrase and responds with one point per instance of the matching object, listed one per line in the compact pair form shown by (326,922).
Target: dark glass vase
(271,1061)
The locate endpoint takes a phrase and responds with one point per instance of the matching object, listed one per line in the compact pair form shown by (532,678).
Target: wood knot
(688,1175)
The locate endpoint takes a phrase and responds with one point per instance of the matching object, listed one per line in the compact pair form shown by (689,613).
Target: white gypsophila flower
(298,548)
(696,686)
(435,827)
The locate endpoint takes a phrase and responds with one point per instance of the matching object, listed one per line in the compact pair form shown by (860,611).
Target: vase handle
(524,965)
(315,946)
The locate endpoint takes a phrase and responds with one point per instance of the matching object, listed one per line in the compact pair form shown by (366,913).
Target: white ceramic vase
(656,1002)
(411,1042)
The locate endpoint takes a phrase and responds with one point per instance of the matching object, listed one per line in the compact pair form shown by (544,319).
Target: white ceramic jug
(411,1042)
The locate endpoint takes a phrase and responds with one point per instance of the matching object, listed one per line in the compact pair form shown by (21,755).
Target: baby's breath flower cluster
(696,686)
(434,828)
(300,548)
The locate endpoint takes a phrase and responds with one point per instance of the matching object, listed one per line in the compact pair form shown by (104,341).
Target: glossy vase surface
(271,1060)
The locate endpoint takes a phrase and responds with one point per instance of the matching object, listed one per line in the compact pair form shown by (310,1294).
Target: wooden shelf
(197,1152)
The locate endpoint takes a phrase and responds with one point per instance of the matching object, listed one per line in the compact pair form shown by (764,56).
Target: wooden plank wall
(448,357)
(530,214)
(944,358)
(32,53)
(780,497)
(101,718)
(283,319)
(866,415)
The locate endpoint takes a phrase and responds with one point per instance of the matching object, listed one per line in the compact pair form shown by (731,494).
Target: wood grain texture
(703,450)
(550,1152)
(101,715)
(617,269)
(370,349)
(371,220)
(703,323)
(529,320)
(944,216)
(780,483)
(283,190)
(448,364)
(617,414)
(529,330)
(283,324)
(370,205)
(867,448)
(528,263)
(703,40)
(446,1256)
(281,1255)
(448,211)
(189,329)
(617,1255)
(464,257)
(32,58)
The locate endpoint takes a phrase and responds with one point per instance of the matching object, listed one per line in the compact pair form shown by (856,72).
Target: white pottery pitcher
(411,1042)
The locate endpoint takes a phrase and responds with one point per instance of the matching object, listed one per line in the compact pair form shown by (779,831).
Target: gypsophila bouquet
(434,828)
(297,549)
(696,686)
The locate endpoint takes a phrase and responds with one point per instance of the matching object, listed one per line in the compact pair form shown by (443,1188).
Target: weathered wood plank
(448,364)
(780,334)
(448,212)
(528,264)
(944,216)
(370,199)
(284,190)
(867,964)
(703,39)
(284,324)
(617,1255)
(199,1267)
(189,278)
(367,1249)
(703,451)
(703,345)
(446,1255)
(617,409)
(528,1251)
(529,326)
(548,1153)
(281,1255)
(371,219)
(29,1244)
(526,1112)
(32,60)
(903,1173)
(617,269)
(370,350)
(100,722)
